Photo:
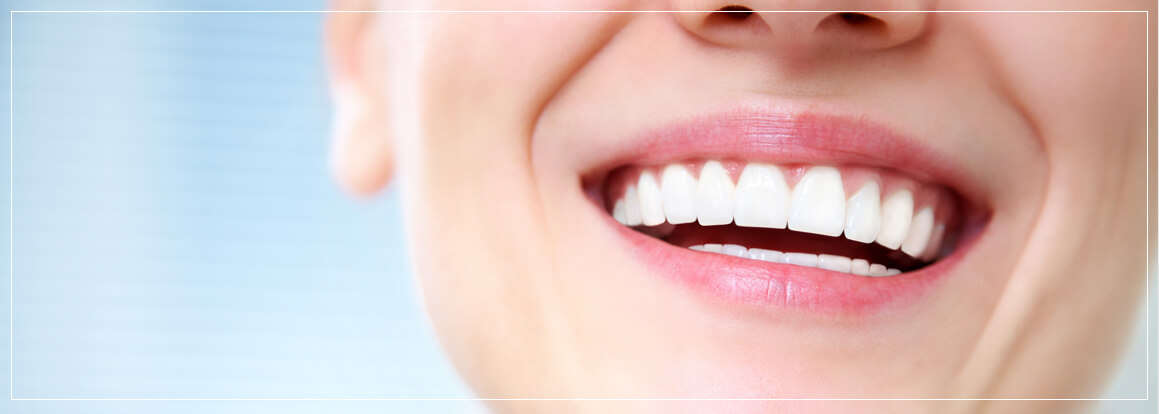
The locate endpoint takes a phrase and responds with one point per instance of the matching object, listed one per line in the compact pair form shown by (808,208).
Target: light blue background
(177,234)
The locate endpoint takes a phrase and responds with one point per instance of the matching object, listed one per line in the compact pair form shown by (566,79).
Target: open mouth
(793,210)
(855,220)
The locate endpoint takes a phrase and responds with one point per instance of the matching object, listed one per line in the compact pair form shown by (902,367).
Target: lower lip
(768,135)
(762,284)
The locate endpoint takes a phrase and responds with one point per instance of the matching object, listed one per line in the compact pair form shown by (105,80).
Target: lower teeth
(842,264)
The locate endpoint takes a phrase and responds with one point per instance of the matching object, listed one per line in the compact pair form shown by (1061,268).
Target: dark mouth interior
(783,240)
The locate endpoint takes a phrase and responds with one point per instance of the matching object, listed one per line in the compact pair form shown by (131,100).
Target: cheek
(472,204)
(482,81)
(1081,78)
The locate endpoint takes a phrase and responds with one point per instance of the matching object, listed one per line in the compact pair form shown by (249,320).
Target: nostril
(734,12)
(853,23)
(855,18)
(733,18)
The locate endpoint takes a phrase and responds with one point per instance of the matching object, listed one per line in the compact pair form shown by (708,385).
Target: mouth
(798,211)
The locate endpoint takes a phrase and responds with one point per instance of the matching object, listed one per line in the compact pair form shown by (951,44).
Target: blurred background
(176,233)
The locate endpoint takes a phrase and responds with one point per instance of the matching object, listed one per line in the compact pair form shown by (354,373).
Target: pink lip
(792,138)
(780,137)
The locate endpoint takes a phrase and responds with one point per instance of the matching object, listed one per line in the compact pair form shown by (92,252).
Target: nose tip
(795,27)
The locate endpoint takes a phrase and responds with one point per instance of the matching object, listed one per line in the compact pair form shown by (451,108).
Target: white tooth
(765,255)
(678,191)
(877,270)
(863,214)
(935,246)
(800,259)
(919,233)
(619,212)
(762,197)
(697,247)
(734,250)
(818,203)
(896,212)
(632,206)
(859,267)
(651,206)
(835,263)
(892,272)
(714,193)
(713,247)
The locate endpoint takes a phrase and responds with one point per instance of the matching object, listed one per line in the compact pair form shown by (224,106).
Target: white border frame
(11,204)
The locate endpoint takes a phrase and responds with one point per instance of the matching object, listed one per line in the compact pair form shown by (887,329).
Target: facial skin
(488,124)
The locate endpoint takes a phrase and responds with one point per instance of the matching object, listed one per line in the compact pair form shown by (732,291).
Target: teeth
(835,263)
(714,195)
(619,212)
(859,267)
(919,233)
(801,259)
(678,190)
(825,261)
(632,207)
(734,250)
(766,255)
(935,245)
(651,205)
(818,203)
(761,198)
(896,212)
(863,214)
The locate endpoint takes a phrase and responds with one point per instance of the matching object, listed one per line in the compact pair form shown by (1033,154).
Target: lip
(757,134)
(785,137)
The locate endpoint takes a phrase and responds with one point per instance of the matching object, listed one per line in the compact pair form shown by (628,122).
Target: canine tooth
(651,206)
(818,203)
(698,247)
(800,259)
(713,247)
(632,206)
(919,232)
(877,270)
(863,214)
(892,272)
(859,267)
(734,250)
(678,192)
(762,197)
(765,255)
(835,263)
(896,212)
(714,195)
(935,245)
(619,212)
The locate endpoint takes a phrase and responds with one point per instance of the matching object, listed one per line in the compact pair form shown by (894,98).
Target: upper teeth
(818,203)
(761,197)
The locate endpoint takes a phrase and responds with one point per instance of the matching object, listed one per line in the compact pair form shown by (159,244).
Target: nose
(798,27)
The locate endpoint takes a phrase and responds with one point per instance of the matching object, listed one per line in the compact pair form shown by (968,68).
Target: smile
(774,213)
(800,211)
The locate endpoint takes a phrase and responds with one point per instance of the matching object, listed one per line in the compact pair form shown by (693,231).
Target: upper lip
(755,133)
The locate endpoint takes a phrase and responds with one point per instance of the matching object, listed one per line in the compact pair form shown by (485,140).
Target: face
(761,205)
